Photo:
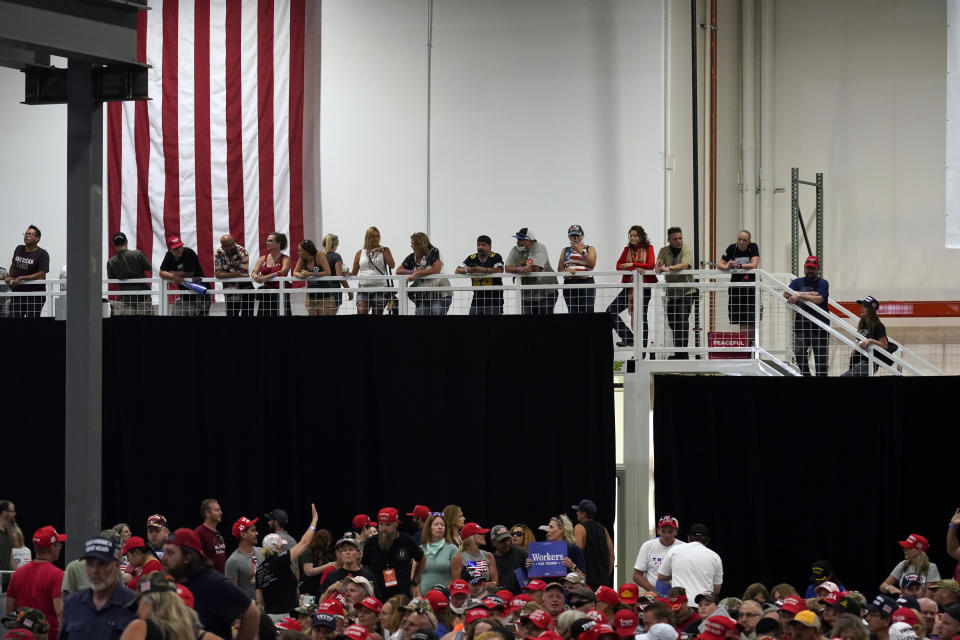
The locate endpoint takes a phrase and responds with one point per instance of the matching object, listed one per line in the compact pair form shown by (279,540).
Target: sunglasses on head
(436,513)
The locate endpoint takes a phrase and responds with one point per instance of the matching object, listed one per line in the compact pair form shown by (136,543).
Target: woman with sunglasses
(561,529)
(437,552)
(522,535)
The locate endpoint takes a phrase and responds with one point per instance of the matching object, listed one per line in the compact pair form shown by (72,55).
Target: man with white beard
(395,559)
(98,612)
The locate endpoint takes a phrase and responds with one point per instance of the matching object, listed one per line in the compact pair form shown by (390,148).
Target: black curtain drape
(511,418)
(787,471)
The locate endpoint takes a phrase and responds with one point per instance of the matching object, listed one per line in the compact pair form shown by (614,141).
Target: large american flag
(218,149)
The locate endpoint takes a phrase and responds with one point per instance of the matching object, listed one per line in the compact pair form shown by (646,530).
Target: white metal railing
(735,320)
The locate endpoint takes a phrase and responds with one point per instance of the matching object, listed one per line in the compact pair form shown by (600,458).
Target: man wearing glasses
(8,526)
(29,263)
(508,556)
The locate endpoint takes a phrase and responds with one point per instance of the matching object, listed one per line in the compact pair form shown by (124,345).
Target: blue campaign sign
(547,559)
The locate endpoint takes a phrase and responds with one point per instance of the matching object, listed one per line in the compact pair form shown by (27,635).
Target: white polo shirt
(693,567)
(651,555)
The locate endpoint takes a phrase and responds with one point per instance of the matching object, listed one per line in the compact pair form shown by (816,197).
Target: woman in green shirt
(437,552)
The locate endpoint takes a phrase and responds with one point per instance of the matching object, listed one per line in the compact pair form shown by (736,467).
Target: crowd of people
(254,290)
(442,581)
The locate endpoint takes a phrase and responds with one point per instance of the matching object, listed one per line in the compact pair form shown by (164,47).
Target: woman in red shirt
(637,256)
(272,264)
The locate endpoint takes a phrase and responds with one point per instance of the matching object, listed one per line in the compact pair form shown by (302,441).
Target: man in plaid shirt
(232,261)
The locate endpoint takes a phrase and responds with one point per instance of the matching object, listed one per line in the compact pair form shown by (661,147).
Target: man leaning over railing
(811,289)
(529,256)
(674,257)
(484,262)
(179,265)
(127,264)
(232,262)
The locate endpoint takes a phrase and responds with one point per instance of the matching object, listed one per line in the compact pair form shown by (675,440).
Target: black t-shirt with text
(734,255)
(276,582)
(395,561)
(27,263)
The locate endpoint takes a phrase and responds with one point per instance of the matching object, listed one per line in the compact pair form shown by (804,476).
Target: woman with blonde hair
(163,612)
(373,260)
(521,535)
(425,261)
(561,528)
(915,561)
(21,553)
(330,244)
(392,613)
(454,519)
(471,560)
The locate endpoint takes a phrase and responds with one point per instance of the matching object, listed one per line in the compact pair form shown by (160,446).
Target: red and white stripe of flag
(218,149)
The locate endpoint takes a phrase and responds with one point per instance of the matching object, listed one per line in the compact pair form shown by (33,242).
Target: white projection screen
(544,113)
(953,125)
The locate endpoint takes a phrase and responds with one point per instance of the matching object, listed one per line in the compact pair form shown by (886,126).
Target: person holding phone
(577,260)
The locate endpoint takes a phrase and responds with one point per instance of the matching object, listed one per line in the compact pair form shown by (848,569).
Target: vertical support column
(83,434)
(820,218)
(637,514)
(794,219)
(748,135)
(767,168)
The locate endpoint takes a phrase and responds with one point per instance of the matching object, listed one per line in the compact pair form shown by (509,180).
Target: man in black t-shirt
(181,265)
(30,263)
(484,261)
(394,558)
(509,558)
(741,257)
(217,601)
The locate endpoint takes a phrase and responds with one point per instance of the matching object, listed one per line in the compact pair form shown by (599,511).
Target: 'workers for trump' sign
(547,558)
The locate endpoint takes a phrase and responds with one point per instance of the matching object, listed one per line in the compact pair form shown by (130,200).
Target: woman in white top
(915,561)
(373,260)
(21,552)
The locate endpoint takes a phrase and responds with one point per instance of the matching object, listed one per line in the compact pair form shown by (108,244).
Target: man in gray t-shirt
(241,566)
(529,256)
